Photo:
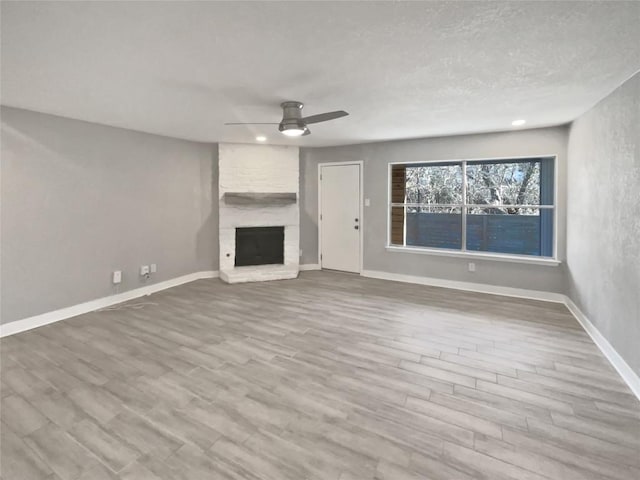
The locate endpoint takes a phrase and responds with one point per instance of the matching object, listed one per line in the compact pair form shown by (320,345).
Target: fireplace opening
(259,246)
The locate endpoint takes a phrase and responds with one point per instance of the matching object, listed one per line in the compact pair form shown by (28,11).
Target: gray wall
(603,228)
(377,156)
(80,200)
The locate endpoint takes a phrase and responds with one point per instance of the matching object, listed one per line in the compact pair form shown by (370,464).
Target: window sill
(552,262)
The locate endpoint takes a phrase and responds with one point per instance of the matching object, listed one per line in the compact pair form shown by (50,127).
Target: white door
(340,217)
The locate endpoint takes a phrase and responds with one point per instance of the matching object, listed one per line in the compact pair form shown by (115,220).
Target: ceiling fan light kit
(293,130)
(293,124)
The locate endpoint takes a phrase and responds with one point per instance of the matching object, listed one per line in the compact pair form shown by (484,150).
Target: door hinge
(320,176)
(320,256)
(320,216)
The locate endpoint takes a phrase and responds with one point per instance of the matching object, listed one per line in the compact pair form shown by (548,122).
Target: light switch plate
(117,276)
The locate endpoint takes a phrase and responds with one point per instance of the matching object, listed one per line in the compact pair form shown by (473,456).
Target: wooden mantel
(259,198)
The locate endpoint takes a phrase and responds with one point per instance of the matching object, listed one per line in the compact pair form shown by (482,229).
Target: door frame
(360,163)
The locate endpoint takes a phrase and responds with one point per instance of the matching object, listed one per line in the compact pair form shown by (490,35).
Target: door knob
(356,219)
(356,227)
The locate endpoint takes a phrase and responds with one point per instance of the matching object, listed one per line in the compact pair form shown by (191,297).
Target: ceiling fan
(293,124)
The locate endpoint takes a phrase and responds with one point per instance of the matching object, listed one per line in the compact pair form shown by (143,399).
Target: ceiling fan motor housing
(292,116)
(291,110)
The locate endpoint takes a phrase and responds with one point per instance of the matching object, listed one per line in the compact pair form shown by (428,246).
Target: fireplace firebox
(259,246)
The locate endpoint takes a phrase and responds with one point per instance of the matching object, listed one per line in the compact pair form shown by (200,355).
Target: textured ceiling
(402,69)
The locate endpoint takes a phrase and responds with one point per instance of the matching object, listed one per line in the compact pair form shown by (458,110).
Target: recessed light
(517,123)
(261,138)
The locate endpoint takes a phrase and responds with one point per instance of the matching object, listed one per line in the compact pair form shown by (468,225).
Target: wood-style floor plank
(330,377)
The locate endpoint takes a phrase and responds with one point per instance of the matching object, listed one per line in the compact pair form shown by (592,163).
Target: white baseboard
(467,286)
(628,375)
(309,266)
(18,326)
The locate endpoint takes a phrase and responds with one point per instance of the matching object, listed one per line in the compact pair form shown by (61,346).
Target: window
(497,206)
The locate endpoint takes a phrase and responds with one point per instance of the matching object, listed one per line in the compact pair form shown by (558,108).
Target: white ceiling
(402,69)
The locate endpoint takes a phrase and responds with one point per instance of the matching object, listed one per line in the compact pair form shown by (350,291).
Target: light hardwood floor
(330,376)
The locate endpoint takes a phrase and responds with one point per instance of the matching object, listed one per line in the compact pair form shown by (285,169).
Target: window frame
(463,252)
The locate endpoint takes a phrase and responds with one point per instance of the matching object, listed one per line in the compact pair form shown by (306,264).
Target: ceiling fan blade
(306,132)
(324,117)
(251,123)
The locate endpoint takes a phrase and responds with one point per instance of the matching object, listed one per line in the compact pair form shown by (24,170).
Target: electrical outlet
(144,270)
(367,202)
(472,267)
(117,276)
(154,268)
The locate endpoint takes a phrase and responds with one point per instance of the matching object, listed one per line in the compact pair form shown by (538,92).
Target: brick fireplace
(258,188)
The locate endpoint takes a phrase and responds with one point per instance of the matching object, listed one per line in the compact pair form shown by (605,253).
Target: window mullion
(463,247)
